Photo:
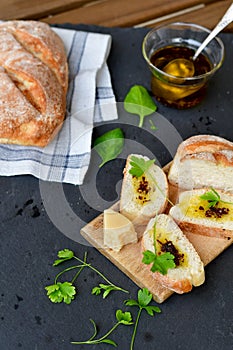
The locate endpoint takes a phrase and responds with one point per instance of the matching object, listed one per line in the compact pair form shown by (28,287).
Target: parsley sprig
(143,301)
(213,198)
(65,291)
(122,318)
(125,318)
(160,263)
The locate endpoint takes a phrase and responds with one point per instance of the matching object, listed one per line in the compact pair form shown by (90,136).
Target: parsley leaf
(138,101)
(64,255)
(144,297)
(161,263)
(109,145)
(148,257)
(61,292)
(104,287)
(212,197)
(143,301)
(139,165)
(124,317)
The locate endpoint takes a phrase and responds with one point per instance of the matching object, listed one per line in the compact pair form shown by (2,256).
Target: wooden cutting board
(129,258)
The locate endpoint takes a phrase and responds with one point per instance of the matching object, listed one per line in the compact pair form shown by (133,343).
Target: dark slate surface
(30,238)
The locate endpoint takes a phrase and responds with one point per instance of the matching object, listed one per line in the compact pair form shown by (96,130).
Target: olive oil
(195,207)
(164,245)
(142,190)
(178,92)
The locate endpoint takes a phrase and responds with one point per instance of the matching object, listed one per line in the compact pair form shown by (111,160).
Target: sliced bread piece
(203,161)
(189,270)
(195,215)
(118,230)
(144,196)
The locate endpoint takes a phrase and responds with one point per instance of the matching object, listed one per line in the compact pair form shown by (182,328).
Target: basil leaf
(109,145)
(138,101)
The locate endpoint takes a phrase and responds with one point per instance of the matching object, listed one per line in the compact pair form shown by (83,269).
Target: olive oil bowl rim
(188,79)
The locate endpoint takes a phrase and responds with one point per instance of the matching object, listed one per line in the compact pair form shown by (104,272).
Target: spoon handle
(226,19)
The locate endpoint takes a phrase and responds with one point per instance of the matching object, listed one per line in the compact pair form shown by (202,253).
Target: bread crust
(203,143)
(223,157)
(179,287)
(189,227)
(43,43)
(33,64)
(195,155)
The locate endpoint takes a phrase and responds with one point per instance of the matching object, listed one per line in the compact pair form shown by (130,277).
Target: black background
(29,240)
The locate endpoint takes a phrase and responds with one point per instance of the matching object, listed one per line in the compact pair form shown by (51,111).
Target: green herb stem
(108,333)
(141,120)
(91,340)
(68,269)
(152,126)
(135,328)
(225,202)
(143,301)
(101,275)
(160,189)
(154,236)
(81,268)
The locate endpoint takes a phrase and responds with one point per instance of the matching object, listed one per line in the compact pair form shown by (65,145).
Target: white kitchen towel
(90,99)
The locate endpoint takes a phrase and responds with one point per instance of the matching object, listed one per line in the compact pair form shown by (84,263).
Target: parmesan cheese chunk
(118,230)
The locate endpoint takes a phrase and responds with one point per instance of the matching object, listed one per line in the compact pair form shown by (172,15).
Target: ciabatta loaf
(203,161)
(163,232)
(195,215)
(145,196)
(33,85)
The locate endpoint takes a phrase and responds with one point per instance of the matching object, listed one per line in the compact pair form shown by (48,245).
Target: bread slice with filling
(195,215)
(145,196)
(189,270)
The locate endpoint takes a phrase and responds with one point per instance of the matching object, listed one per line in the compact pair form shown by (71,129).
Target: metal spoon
(180,67)
(226,19)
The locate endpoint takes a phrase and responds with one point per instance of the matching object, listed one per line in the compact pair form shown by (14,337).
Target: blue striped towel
(90,99)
